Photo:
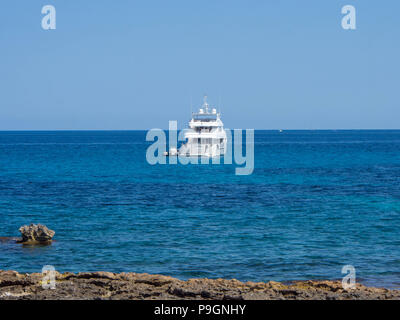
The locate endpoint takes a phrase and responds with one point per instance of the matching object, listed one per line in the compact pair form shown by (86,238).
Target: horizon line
(166,129)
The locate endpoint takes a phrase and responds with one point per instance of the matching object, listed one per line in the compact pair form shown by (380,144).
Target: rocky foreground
(107,285)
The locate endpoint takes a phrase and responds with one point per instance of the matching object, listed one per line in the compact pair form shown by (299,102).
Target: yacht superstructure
(206,136)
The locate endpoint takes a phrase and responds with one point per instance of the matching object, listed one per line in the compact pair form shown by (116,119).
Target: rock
(107,285)
(36,234)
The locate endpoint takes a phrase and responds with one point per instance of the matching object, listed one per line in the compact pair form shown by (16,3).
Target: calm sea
(317,200)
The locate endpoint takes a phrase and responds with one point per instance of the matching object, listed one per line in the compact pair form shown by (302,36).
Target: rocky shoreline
(123,286)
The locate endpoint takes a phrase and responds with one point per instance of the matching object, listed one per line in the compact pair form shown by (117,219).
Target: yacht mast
(205,104)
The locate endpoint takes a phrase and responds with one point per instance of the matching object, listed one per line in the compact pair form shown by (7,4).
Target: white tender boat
(206,136)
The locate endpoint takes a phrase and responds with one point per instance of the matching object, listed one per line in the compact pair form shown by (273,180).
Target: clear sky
(137,64)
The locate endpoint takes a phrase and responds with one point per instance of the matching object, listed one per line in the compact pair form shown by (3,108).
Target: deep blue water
(317,200)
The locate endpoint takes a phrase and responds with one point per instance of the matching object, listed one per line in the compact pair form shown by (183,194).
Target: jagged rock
(36,233)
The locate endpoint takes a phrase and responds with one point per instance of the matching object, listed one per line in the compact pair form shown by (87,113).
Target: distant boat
(280,130)
(206,136)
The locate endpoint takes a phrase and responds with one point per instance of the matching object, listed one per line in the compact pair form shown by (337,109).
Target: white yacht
(206,136)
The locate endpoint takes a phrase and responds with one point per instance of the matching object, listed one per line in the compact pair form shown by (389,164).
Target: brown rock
(36,234)
(108,285)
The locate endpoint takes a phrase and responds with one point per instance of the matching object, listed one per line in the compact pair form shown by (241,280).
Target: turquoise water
(317,200)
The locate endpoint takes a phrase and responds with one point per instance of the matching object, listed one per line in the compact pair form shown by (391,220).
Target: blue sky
(137,64)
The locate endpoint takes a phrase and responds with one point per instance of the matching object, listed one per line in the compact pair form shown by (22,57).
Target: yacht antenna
(205,104)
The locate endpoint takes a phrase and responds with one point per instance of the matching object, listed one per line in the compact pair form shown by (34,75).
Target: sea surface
(316,201)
